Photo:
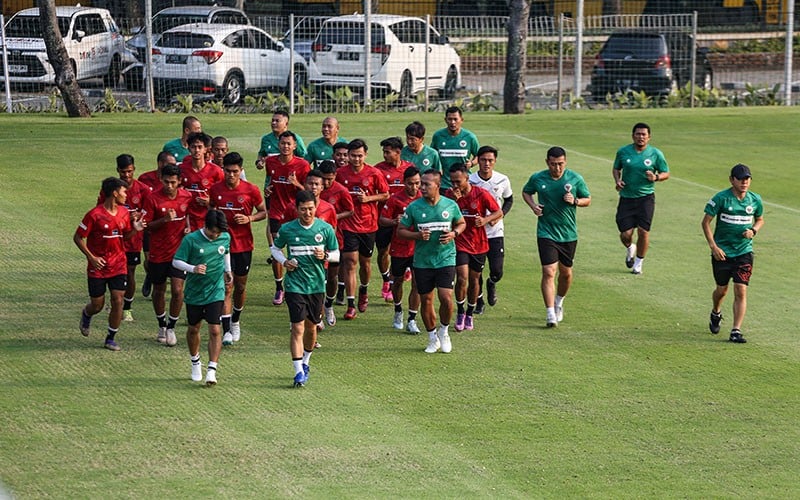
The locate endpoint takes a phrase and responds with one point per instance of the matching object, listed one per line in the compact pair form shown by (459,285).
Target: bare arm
(716,251)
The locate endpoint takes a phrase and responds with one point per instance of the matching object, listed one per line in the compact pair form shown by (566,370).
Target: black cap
(740,171)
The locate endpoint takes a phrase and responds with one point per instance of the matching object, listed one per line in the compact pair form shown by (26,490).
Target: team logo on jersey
(749,210)
(365,182)
(206,182)
(426,162)
(184,207)
(240,199)
(136,200)
(463,143)
(474,205)
(318,238)
(648,162)
(221,249)
(445,214)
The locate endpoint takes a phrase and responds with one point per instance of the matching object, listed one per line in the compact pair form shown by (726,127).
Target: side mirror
(443,40)
(279,46)
(78,35)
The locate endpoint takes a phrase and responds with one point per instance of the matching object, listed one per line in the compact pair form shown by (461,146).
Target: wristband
(754,231)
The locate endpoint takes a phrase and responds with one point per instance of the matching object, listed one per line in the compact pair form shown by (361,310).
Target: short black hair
(487,149)
(162,156)
(410,172)
(435,173)
(111,184)
(392,142)
(556,152)
(199,136)
(169,170)
(282,112)
(460,167)
(215,219)
(641,125)
(416,129)
(124,160)
(233,158)
(315,173)
(304,196)
(339,145)
(327,167)
(357,143)
(453,109)
(288,133)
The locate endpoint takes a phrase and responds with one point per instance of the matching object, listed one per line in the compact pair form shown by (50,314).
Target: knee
(496,276)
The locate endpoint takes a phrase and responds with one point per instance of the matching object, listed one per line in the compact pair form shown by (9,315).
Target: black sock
(162,320)
(362,289)
(171,322)
(237,313)
(278,285)
(111,333)
(460,306)
(412,315)
(351,302)
(328,301)
(398,308)
(226,324)
(126,304)
(470,310)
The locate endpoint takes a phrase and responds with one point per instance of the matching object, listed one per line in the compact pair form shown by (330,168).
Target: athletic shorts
(635,212)
(240,263)
(275,225)
(496,256)
(304,306)
(475,262)
(427,279)
(399,266)
(383,237)
(209,312)
(364,243)
(97,286)
(551,252)
(737,268)
(160,271)
(134,258)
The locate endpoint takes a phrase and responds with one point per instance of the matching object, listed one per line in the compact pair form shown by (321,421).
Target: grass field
(629,397)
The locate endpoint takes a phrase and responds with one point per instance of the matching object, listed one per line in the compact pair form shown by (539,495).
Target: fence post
(560,60)
(5,64)
(578,49)
(693,71)
(787,65)
(291,64)
(367,51)
(427,58)
(148,56)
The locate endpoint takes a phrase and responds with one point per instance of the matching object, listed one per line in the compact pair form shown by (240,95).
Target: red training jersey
(198,182)
(151,180)
(104,233)
(283,191)
(137,193)
(370,181)
(394,175)
(242,199)
(338,196)
(164,241)
(477,202)
(396,206)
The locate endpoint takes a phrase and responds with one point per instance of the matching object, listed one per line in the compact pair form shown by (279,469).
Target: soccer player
(415,151)
(498,186)
(321,149)
(637,167)
(338,196)
(739,215)
(402,250)
(179,148)
(205,256)
(393,168)
(479,209)
(368,190)
(455,144)
(242,204)
(166,215)
(269,142)
(309,243)
(99,237)
(152,179)
(287,173)
(197,177)
(560,192)
(341,158)
(434,222)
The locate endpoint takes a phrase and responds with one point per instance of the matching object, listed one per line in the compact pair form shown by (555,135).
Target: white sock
(195,359)
(298,365)
(551,311)
(444,328)
(637,262)
(306,356)
(559,301)
(432,335)
(631,251)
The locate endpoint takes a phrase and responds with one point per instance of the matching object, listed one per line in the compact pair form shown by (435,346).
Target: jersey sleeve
(581,188)
(530,186)
(184,250)
(85,226)
(712,206)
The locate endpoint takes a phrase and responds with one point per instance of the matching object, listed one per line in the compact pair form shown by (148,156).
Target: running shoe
(736,337)
(412,327)
(236,331)
(227,339)
(460,320)
(397,322)
(363,301)
(211,377)
(491,292)
(278,299)
(127,315)
(113,346)
(171,340)
(468,323)
(386,292)
(350,314)
(713,322)
(330,316)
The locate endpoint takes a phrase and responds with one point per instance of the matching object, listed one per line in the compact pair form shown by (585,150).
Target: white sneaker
(397,323)
(637,269)
(552,320)
(127,315)
(321,325)
(236,331)
(171,338)
(444,340)
(630,254)
(433,344)
(330,316)
(412,327)
(197,371)
(162,335)
(227,339)
(211,377)
(559,314)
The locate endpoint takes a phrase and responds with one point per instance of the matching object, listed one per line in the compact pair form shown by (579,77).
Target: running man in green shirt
(739,214)
(455,144)
(560,191)
(205,256)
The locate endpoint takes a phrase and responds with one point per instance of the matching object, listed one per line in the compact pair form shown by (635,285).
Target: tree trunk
(516,57)
(74,102)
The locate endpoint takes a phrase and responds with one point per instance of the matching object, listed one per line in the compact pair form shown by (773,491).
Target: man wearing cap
(637,167)
(739,215)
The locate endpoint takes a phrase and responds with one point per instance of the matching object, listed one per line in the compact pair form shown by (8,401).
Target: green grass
(629,397)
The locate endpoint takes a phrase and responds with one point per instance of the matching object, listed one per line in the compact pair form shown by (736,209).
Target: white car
(94,44)
(397,56)
(223,61)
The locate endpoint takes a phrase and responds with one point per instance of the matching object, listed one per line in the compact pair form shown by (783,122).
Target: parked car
(93,41)
(169,18)
(397,56)
(655,63)
(223,61)
(305,31)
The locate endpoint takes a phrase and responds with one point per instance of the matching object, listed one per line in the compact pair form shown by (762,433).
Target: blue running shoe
(300,379)
(306,371)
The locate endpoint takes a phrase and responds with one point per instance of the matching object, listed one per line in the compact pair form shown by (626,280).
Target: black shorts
(383,237)
(304,306)
(134,258)
(160,271)
(97,286)
(739,269)
(209,312)
(364,243)
(427,279)
(551,252)
(496,256)
(636,212)
(275,225)
(400,264)
(240,263)
(475,262)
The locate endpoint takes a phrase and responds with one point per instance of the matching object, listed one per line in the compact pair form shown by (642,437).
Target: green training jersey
(300,242)
(319,150)
(196,249)
(557,221)
(454,150)
(634,164)
(734,217)
(176,149)
(426,159)
(269,146)
(439,218)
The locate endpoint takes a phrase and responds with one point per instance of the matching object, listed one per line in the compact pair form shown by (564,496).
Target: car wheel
(134,79)
(450,82)
(232,89)
(405,85)
(300,80)
(112,77)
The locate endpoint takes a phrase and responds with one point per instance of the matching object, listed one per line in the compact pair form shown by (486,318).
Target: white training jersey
(500,187)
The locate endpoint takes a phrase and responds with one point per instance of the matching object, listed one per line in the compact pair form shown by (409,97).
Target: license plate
(176,59)
(349,56)
(17,68)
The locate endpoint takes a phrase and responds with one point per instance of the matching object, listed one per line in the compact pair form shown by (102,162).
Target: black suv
(655,63)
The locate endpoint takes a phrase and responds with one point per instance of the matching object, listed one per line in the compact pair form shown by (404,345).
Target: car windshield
(163,22)
(185,40)
(639,46)
(30,27)
(307,28)
(349,33)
